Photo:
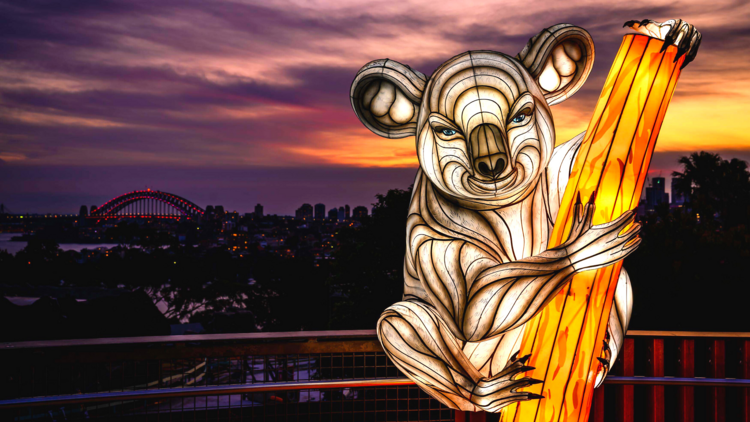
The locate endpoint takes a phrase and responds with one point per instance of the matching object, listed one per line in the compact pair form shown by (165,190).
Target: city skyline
(241,103)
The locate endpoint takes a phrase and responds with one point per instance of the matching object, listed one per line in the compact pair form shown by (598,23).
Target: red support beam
(655,368)
(745,374)
(470,416)
(686,369)
(716,369)
(597,406)
(624,400)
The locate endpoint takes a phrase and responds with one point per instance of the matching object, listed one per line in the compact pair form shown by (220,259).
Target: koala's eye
(519,119)
(448,132)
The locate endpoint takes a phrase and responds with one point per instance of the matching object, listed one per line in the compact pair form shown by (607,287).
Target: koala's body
(484,203)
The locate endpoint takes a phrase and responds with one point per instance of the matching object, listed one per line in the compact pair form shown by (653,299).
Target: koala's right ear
(386,96)
(560,58)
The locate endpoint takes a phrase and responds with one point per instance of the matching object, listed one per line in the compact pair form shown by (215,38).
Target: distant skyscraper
(305,212)
(219,210)
(83,212)
(677,198)
(333,214)
(655,194)
(258,210)
(93,208)
(359,213)
(320,212)
(342,214)
(347,212)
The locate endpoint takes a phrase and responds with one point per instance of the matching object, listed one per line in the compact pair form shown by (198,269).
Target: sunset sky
(234,102)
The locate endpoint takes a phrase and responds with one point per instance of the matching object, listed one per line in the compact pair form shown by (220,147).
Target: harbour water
(14,247)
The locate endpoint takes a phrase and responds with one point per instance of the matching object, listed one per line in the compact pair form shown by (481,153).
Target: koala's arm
(501,297)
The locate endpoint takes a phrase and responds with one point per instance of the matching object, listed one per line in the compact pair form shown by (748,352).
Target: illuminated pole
(565,339)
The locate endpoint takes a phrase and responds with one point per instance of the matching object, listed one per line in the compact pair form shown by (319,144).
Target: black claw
(524,359)
(532,396)
(693,52)
(645,22)
(603,361)
(515,356)
(526,368)
(593,198)
(578,198)
(667,43)
(535,382)
(629,24)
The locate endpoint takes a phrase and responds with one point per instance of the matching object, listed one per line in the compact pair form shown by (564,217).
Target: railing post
(745,374)
(624,400)
(716,395)
(462,416)
(597,405)
(686,369)
(655,402)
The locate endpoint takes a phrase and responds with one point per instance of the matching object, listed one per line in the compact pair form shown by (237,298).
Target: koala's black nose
(492,165)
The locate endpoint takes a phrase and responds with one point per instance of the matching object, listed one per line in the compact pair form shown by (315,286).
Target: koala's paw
(674,32)
(494,393)
(601,245)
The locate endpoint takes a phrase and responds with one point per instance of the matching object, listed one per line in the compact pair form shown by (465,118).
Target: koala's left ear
(560,58)
(386,96)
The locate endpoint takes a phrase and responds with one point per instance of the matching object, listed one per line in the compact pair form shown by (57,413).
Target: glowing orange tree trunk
(565,339)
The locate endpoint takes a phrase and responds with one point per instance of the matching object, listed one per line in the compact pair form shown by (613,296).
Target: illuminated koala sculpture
(485,199)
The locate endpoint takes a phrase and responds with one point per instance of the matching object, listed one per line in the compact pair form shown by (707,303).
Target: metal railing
(334,375)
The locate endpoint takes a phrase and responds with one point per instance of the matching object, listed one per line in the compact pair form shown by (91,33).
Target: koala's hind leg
(617,326)
(416,339)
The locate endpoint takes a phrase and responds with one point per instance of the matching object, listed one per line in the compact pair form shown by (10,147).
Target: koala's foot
(674,32)
(493,393)
(604,360)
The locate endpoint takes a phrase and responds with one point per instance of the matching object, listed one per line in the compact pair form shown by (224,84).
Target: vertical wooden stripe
(744,372)
(597,405)
(716,369)
(624,411)
(655,368)
(686,369)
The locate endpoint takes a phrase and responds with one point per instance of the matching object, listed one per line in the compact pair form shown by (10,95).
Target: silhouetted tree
(712,186)
(368,274)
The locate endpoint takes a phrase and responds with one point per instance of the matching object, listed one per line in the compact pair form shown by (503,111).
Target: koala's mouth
(493,186)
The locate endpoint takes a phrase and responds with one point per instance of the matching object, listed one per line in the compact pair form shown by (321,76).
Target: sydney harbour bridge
(147,203)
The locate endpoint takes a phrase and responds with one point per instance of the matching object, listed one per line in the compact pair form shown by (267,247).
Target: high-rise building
(93,208)
(359,213)
(305,212)
(219,210)
(258,210)
(333,214)
(655,194)
(320,211)
(83,212)
(342,214)
(347,212)
(677,198)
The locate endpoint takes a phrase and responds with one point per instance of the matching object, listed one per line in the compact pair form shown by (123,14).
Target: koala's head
(482,121)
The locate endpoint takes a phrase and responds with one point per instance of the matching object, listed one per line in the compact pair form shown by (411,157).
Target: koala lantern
(485,200)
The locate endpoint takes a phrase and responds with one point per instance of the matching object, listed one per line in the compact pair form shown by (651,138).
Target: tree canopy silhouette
(368,274)
(713,186)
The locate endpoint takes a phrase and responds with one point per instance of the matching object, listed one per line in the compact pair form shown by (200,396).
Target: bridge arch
(148,203)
